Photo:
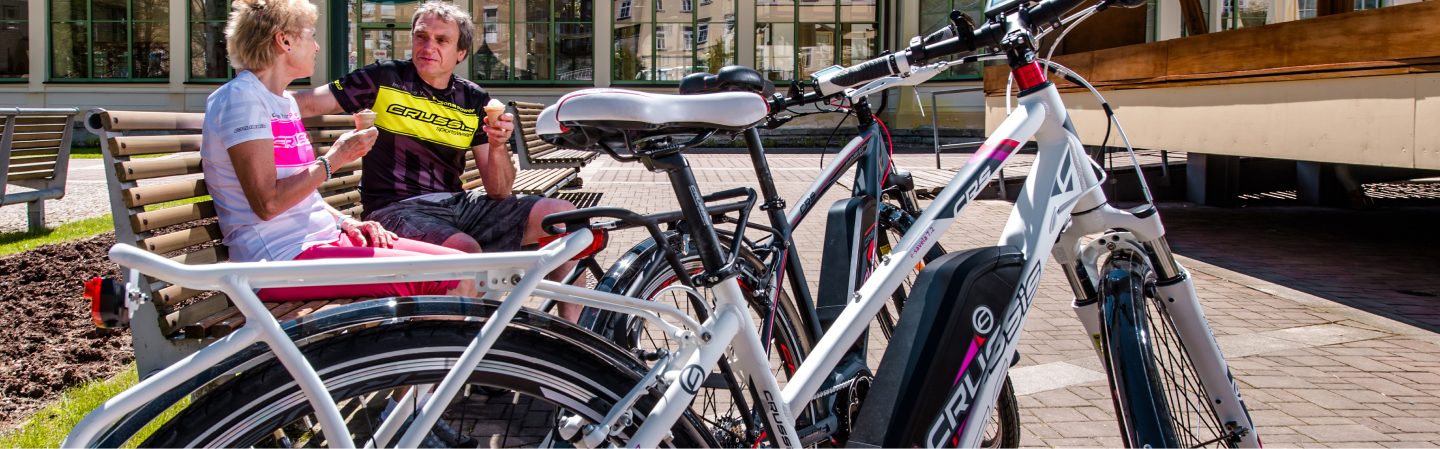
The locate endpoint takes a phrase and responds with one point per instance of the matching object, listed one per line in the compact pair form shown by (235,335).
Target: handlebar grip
(866,71)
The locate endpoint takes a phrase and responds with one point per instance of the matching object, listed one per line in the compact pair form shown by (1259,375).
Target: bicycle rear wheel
(535,377)
(1157,392)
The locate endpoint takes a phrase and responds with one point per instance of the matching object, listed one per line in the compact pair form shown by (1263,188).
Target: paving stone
(1343,433)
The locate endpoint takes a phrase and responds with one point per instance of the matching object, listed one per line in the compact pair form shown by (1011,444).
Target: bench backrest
(160,202)
(35,147)
(535,153)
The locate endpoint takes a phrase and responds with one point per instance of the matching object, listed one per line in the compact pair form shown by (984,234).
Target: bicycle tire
(263,407)
(1158,397)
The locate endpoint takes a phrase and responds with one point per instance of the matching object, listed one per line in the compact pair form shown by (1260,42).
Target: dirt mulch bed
(48,342)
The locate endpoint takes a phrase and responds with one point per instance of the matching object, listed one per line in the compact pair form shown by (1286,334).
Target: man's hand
(499,132)
(368,233)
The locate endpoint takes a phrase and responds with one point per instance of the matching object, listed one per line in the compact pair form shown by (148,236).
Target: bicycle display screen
(995,7)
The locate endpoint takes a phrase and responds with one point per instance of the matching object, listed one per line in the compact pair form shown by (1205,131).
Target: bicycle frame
(1060,182)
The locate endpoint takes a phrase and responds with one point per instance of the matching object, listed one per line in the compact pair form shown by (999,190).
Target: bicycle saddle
(582,118)
(730,78)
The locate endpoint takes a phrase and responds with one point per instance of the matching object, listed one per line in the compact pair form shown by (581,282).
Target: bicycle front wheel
(1157,392)
(524,385)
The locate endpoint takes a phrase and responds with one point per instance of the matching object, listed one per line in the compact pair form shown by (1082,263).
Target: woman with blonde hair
(262,171)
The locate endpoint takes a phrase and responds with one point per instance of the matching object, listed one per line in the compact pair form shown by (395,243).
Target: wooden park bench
(544,168)
(161,204)
(35,154)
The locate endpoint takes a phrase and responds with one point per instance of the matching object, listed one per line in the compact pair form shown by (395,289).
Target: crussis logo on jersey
(425,118)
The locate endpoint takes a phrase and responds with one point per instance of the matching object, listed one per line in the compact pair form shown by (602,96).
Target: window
(208,59)
(14,40)
(536,41)
(109,40)
(624,10)
(935,15)
(795,38)
(659,5)
(664,45)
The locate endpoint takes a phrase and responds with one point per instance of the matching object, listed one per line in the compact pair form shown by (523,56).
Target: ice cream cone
(493,111)
(364,118)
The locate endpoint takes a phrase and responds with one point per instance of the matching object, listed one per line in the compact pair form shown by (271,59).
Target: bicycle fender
(956,305)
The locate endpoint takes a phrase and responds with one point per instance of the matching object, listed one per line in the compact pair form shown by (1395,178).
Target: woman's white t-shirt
(240,111)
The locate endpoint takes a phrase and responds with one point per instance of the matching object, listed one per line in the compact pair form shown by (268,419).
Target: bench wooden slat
(353,166)
(220,330)
(16,160)
(162,244)
(521,104)
(27,137)
(34,175)
(40,152)
(172,323)
(166,121)
(353,212)
(330,121)
(529,117)
(344,182)
(213,254)
(327,135)
(172,295)
(342,199)
(526,125)
(28,166)
(146,195)
(137,145)
(36,144)
(147,221)
(199,328)
(42,119)
(304,309)
(157,168)
(56,127)
(284,308)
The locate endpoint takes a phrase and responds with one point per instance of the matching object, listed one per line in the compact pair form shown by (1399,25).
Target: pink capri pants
(346,248)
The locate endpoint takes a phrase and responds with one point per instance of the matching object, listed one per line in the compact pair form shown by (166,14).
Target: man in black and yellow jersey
(428,118)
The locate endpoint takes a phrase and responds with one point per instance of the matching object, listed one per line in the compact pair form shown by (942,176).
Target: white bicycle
(321,380)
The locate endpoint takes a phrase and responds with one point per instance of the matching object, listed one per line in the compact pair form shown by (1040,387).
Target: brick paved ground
(1315,363)
(1310,305)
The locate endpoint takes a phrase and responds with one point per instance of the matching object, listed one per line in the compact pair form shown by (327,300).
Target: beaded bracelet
(326,160)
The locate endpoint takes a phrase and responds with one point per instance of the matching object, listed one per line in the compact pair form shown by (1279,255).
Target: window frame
(836,45)
(513,78)
(89,25)
(24,22)
(623,13)
(190,23)
(691,45)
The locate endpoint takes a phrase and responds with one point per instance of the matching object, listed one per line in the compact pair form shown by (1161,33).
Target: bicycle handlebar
(940,44)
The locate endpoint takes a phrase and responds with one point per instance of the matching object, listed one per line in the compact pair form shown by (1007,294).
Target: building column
(39,63)
(745,33)
(322,36)
(907,115)
(1213,179)
(604,41)
(464,69)
(1168,19)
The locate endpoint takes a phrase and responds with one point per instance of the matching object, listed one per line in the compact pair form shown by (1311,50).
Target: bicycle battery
(957,304)
(848,230)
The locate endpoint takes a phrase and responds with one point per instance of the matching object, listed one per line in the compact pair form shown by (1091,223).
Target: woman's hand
(368,233)
(500,131)
(351,146)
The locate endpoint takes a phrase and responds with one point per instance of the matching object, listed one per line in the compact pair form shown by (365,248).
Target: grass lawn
(14,242)
(50,425)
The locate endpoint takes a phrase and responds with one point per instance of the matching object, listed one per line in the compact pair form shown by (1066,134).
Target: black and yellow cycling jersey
(424,131)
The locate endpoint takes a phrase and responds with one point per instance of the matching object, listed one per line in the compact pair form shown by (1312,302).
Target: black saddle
(730,78)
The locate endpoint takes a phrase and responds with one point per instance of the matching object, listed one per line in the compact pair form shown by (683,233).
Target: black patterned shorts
(498,225)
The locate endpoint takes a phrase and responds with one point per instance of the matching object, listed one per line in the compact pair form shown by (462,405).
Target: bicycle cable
(1110,115)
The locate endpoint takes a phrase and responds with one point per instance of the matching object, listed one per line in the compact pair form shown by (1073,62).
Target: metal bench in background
(35,154)
(172,214)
